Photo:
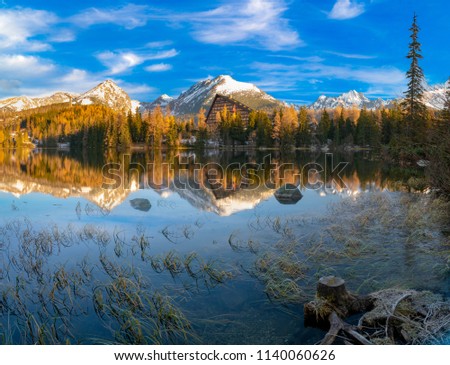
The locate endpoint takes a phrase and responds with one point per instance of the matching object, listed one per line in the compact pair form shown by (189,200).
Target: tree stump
(332,297)
(332,289)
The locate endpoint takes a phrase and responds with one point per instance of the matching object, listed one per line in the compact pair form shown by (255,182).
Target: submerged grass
(44,300)
(373,241)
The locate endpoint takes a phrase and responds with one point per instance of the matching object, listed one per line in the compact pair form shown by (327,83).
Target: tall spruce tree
(413,107)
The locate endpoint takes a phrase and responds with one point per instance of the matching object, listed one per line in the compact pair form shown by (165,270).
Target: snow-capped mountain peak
(354,97)
(226,85)
(162,101)
(349,99)
(201,94)
(107,93)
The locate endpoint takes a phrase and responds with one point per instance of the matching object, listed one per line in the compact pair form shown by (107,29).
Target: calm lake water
(189,247)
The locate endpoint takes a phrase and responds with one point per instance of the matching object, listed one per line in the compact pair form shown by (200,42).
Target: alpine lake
(188,247)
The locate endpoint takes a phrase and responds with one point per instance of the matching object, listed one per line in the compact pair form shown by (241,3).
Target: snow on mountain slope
(434,96)
(24,102)
(107,93)
(162,101)
(201,94)
(135,104)
(57,98)
(347,100)
(17,103)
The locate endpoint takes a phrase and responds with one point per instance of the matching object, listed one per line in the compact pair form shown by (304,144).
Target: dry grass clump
(137,315)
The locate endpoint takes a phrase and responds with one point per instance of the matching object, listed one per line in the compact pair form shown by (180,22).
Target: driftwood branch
(337,325)
(392,313)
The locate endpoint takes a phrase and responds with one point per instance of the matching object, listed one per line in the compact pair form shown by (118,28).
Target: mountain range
(433,97)
(201,94)
(107,93)
(348,100)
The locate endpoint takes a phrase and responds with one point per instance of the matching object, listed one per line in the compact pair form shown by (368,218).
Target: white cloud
(8,87)
(297,58)
(76,80)
(120,62)
(386,75)
(346,9)
(279,77)
(62,35)
(158,44)
(392,91)
(138,90)
(256,22)
(159,67)
(162,54)
(23,66)
(352,55)
(129,16)
(19,26)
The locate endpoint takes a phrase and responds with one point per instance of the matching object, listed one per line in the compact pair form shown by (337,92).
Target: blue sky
(293,49)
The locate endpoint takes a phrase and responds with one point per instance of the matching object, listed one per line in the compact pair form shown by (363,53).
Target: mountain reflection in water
(223,183)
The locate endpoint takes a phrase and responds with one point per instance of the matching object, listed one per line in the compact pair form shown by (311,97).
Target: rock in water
(141,204)
(288,194)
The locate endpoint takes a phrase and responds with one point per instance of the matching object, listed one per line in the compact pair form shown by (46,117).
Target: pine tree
(172,133)
(260,121)
(323,128)
(367,130)
(413,107)
(386,127)
(339,126)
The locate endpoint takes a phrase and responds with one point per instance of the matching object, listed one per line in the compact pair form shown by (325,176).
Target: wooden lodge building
(219,102)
